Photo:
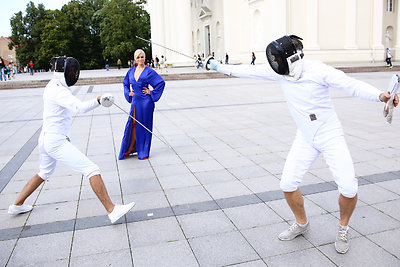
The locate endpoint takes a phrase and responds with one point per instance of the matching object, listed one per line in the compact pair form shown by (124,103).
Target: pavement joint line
(184,209)
(9,170)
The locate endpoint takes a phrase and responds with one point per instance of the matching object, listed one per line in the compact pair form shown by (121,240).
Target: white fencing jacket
(59,106)
(308,98)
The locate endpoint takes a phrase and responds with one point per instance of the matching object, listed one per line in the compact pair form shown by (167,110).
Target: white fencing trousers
(336,153)
(55,148)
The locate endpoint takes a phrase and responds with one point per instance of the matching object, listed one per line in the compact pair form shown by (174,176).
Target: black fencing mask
(281,53)
(69,66)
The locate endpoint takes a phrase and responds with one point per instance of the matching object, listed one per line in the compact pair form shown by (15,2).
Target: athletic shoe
(14,209)
(293,231)
(119,211)
(342,244)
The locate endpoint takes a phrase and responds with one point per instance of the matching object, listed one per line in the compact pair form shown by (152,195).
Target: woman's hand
(131,93)
(146,91)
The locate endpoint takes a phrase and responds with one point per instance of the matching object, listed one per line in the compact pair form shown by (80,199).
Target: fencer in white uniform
(59,105)
(306,85)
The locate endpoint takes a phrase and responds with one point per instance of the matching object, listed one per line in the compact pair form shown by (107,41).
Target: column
(351,24)
(312,30)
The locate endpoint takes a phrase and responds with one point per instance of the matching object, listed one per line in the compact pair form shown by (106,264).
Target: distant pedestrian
(119,63)
(107,64)
(31,67)
(2,67)
(157,60)
(226,58)
(389,58)
(163,64)
(253,58)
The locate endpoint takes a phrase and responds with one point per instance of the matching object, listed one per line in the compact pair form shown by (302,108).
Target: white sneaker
(293,231)
(342,244)
(119,211)
(14,209)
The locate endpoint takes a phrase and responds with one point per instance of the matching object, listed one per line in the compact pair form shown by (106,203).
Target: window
(389,5)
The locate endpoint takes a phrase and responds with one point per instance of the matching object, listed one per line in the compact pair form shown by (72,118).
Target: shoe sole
(112,222)
(288,239)
(341,252)
(19,212)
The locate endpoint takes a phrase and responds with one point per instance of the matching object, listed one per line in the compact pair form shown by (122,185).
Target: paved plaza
(211,200)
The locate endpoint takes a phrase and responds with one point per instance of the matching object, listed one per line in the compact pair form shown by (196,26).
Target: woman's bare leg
(132,146)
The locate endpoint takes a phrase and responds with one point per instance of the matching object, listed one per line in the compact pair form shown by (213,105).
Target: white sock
(303,225)
(344,227)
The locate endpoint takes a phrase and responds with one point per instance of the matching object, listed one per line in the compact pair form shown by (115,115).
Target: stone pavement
(212,200)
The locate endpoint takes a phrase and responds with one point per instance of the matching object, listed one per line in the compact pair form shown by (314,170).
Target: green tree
(26,33)
(122,21)
(88,30)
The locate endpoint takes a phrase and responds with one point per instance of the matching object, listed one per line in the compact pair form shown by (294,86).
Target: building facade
(5,53)
(333,31)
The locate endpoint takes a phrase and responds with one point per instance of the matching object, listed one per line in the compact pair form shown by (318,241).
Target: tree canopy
(89,30)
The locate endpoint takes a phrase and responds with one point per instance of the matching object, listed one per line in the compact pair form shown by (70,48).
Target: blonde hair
(138,52)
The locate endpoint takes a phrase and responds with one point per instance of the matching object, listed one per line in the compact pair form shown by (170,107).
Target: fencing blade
(142,125)
(164,47)
(199,63)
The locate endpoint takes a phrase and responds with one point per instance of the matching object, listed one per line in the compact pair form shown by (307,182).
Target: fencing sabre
(207,60)
(389,106)
(107,100)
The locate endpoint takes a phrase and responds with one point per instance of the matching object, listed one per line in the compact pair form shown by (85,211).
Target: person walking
(119,63)
(226,58)
(253,58)
(306,84)
(389,58)
(107,65)
(31,67)
(136,90)
(2,69)
(54,144)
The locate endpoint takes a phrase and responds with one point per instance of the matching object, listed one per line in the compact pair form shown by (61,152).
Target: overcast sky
(11,7)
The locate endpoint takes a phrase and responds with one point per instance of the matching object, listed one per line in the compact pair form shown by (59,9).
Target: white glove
(388,111)
(208,62)
(214,64)
(106,100)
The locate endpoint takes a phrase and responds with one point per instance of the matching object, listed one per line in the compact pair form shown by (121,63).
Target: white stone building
(333,31)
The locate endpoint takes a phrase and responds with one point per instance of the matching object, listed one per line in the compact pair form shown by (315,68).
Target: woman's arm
(127,86)
(158,85)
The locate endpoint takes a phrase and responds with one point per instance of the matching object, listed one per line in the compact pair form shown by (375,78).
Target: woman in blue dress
(142,99)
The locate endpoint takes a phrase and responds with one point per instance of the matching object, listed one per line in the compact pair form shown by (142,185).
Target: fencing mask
(285,58)
(67,65)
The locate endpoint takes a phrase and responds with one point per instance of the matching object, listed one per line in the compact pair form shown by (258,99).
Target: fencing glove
(388,110)
(106,100)
(210,61)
